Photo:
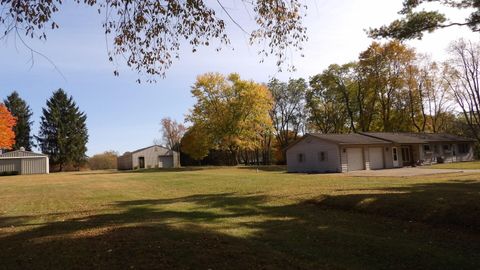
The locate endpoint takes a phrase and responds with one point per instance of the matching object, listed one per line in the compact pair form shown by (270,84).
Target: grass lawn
(457,165)
(238,218)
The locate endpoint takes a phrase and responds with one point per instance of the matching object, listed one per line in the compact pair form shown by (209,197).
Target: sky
(124,115)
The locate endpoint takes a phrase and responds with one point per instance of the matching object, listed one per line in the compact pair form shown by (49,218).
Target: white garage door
(376,158)
(354,159)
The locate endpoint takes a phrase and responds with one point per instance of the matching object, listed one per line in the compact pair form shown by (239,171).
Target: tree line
(63,133)
(390,88)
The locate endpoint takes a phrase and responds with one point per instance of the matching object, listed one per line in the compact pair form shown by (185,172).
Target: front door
(396,162)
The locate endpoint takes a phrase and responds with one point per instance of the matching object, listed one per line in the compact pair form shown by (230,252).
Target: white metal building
(155,156)
(23,162)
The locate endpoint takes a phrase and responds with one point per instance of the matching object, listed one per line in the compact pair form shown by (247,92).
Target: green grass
(470,165)
(238,218)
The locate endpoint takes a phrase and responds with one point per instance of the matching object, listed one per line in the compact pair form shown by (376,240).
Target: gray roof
(416,138)
(372,138)
(352,138)
(155,145)
(396,137)
(442,137)
(21,153)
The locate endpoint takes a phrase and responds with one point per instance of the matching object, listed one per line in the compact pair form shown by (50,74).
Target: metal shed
(155,156)
(24,162)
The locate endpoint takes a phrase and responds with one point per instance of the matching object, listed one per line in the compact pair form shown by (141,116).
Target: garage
(376,158)
(165,161)
(355,159)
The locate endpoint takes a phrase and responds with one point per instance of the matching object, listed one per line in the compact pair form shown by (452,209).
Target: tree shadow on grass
(232,231)
(454,203)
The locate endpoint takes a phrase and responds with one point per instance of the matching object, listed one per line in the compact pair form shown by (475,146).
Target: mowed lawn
(238,218)
(470,165)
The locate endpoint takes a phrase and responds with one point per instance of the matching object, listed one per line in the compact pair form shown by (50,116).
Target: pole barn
(23,162)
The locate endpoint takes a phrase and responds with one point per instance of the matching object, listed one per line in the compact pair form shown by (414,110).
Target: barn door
(141,162)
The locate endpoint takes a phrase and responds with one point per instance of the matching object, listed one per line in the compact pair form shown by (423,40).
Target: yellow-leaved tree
(230,114)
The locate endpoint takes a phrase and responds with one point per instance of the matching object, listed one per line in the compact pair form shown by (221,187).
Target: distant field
(457,165)
(238,218)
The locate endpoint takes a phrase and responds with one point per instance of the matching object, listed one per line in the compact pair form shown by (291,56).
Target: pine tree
(63,132)
(20,110)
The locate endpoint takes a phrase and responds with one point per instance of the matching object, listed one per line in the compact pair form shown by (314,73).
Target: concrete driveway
(405,172)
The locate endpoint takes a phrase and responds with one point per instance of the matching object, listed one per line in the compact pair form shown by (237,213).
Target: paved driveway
(403,172)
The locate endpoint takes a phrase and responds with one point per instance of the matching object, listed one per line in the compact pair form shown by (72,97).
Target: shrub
(8,173)
(106,160)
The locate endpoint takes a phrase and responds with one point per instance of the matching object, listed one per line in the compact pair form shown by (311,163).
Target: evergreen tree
(63,132)
(19,109)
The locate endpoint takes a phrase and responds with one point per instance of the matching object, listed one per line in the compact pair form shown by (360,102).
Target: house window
(301,158)
(426,148)
(463,148)
(322,156)
(446,147)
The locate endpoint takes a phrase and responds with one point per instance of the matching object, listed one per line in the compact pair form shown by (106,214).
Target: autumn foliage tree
(7,123)
(196,142)
(230,114)
(148,34)
(22,112)
(389,88)
(104,161)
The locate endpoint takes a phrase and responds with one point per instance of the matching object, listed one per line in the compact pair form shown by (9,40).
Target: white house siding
(311,147)
(388,155)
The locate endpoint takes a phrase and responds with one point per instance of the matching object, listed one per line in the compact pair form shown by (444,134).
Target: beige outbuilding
(155,156)
(23,162)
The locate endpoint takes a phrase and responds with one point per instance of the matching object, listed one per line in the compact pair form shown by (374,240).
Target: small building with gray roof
(375,150)
(23,162)
(155,156)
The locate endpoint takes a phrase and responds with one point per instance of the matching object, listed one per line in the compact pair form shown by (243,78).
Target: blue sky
(124,115)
